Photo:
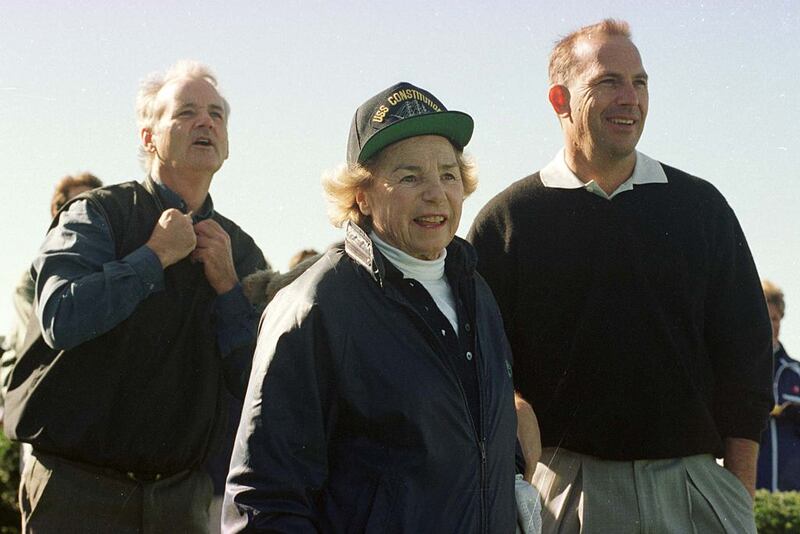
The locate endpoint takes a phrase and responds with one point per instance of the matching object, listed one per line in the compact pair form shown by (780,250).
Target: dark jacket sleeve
(737,332)
(236,333)
(279,464)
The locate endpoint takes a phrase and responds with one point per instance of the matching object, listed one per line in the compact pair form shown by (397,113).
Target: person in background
(144,324)
(66,189)
(779,455)
(634,312)
(70,187)
(301,256)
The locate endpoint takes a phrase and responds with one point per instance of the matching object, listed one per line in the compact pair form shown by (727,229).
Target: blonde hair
(774,296)
(342,184)
(563,63)
(146,112)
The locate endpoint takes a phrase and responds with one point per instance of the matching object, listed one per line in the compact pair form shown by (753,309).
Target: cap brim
(454,125)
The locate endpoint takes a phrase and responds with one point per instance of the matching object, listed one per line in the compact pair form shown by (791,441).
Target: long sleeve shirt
(636,320)
(84,290)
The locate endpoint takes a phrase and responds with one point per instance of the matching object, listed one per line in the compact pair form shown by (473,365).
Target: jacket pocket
(711,486)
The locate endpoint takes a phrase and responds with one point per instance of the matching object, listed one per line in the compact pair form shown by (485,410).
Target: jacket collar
(461,257)
(167,198)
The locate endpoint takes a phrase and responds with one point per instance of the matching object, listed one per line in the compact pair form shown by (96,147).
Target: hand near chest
(214,251)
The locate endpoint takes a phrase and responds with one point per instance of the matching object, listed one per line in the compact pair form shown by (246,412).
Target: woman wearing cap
(381,397)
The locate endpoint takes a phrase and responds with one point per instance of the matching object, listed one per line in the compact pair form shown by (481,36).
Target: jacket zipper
(482,445)
(479,432)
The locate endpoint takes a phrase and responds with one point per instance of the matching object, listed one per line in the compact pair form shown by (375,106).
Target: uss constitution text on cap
(399,112)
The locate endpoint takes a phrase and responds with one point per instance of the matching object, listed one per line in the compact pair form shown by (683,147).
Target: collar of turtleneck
(411,267)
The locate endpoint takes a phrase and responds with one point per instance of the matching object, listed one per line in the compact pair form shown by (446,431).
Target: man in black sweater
(635,314)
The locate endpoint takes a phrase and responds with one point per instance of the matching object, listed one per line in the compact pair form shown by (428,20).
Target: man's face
(775,318)
(608,98)
(191,132)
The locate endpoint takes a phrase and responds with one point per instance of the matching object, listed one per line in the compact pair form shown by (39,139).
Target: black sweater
(638,325)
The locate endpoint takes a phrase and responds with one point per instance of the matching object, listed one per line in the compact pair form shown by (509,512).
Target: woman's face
(415,195)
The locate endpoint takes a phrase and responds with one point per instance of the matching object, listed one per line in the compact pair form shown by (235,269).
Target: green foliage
(9,482)
(777,513)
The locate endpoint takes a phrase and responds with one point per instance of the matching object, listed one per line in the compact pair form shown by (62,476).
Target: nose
(204,119)
(434,191)
(628,94)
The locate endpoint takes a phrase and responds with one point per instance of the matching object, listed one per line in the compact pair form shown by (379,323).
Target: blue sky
(723,102)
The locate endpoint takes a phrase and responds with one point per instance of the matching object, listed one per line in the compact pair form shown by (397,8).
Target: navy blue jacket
(355,420)
(779,454)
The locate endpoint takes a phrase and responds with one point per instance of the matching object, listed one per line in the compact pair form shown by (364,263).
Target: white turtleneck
(429,273)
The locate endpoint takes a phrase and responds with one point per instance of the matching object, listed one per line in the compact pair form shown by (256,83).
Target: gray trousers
(60,496)
(584,494)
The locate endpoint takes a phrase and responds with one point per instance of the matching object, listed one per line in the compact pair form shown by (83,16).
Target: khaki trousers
(584,494)
(60,496)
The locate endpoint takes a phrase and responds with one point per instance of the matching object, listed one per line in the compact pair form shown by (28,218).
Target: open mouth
(203,141)
(622,122)
(430,221)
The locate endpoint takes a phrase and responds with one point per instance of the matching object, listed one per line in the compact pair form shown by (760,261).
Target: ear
(363,203)
(559,99)
(146,135)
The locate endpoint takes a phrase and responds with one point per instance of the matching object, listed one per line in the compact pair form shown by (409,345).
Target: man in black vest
(634,312)
(140,302)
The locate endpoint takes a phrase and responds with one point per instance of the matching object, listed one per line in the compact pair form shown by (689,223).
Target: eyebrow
(611,74)
(407,168)
(214,107)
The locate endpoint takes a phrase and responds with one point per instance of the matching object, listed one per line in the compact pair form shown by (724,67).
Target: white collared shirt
(646,171)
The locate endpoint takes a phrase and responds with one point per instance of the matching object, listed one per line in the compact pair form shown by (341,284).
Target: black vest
(145,396)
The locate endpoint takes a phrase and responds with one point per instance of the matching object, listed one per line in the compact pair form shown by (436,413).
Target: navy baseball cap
(400,112)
